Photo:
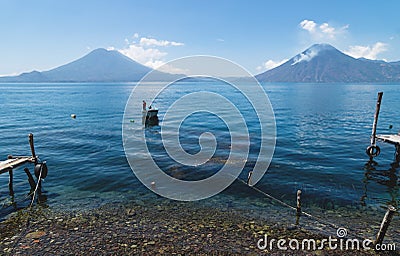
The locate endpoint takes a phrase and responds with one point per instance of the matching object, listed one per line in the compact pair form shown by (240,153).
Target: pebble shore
(146,228)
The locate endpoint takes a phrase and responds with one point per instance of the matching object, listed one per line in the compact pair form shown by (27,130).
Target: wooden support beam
(10,182)
(378,107)
(298,205)
(249,178)
(32,146)
(385,224)
(31,181)
(397,154)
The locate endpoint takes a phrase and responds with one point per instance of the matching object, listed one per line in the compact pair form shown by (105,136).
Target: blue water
(322,133)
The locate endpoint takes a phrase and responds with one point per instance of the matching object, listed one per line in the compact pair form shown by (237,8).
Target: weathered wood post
(373,150)
(10,182)
(31,181)
(32,146)
(298,206)
(385,224)
(249,178)
(374,125)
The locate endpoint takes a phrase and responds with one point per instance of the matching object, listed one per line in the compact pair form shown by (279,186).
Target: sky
(258,35)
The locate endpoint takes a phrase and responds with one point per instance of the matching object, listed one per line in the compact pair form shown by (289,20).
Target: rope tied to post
(326,223)
(42,171)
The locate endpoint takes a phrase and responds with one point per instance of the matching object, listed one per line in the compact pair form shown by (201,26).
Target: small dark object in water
(390,126)
(151,118)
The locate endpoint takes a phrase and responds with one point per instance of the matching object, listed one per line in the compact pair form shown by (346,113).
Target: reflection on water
(385,177)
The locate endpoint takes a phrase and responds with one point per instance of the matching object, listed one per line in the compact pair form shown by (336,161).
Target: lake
(322,132)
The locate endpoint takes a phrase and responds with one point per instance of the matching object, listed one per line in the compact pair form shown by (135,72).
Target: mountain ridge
(323,63)
(99,65)
(320,63)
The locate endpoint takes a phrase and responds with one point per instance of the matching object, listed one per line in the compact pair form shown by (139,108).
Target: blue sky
(40,35)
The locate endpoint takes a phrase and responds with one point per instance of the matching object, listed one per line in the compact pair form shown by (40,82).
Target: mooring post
(378,107)
(10,182)
(373,150)
(385,224)
(32,146)
(249,178)
(298,206)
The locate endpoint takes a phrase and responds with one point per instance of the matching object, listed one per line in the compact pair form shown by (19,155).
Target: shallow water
(322,133)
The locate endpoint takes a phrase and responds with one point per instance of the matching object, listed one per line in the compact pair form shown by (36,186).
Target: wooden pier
(13,162)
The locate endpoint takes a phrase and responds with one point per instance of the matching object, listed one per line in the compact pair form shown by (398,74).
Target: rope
(326,223)
(321,221)
(37,185)
(28,221)
(6,202)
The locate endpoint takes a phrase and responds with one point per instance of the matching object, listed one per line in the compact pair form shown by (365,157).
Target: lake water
(322,133)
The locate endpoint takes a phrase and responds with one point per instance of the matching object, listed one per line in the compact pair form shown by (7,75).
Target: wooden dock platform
(15,162)
(389,138)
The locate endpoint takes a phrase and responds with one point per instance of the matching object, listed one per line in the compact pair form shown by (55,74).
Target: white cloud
(310,53)
(307,56)
(270,64)
(327,30)
(368,52)
(323,31)
(308,25)
(153,42)
(149,52)
(150,57)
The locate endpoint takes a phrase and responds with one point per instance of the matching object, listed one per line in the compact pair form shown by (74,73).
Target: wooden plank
(10,164)
(389,138)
